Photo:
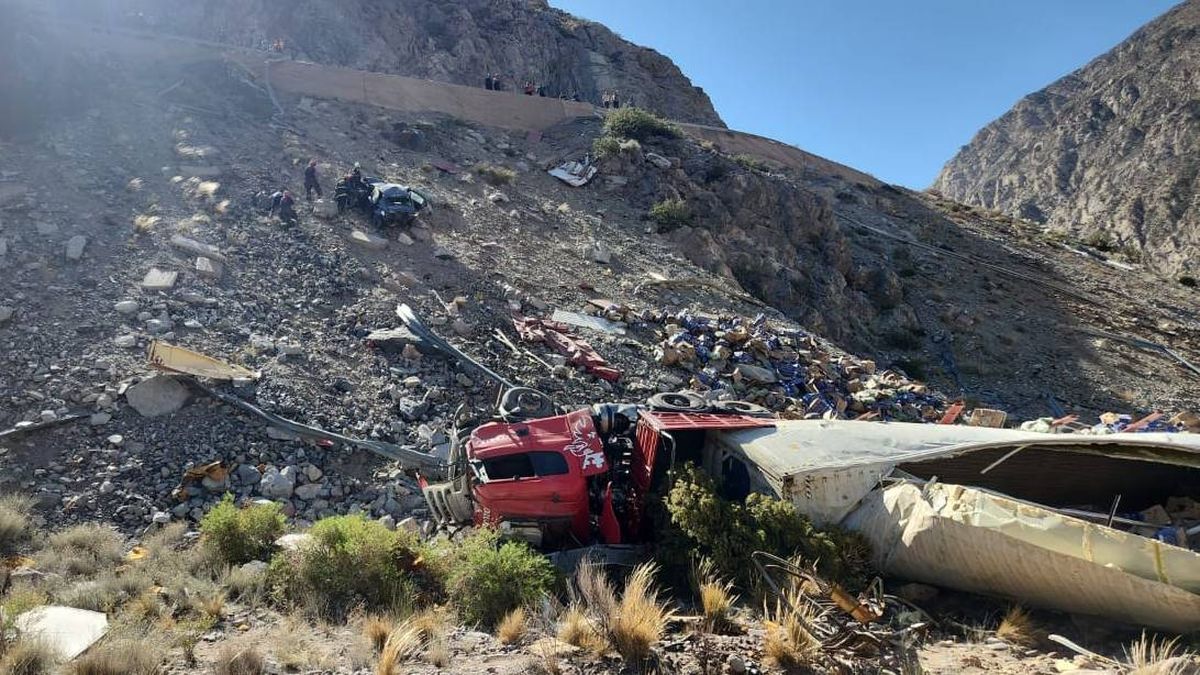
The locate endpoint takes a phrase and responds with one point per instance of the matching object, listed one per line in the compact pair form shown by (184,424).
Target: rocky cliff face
(456,42)
(1108,153)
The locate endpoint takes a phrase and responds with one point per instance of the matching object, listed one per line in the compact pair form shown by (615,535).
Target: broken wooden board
(987,417)
(172,359)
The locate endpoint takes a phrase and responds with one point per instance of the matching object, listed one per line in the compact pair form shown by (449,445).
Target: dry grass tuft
(296,645)
(27,657)
(14,522)
(787,643)
(239,660)
(1154,656)
(401,645)
(83,550)
(577,630)
(212,605)
(208,188)
(146,607)
(640,617)
(430,623)
(549,662)
(247,585)
(438,655)
(595,591)
(125,657)
(512,627)
(143,223)
(377,628)
(716,597)
(495,175)
(1019,628)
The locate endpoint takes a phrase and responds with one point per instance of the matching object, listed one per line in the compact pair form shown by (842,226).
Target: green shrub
(749,162)
(350,561)
(606,146)
(487,580)
(638,124)
(238,536)
(1100,240)
(14,522)
(495,175)
(671,213)
(702,523)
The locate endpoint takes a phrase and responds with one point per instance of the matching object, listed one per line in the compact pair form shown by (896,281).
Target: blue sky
(892,87)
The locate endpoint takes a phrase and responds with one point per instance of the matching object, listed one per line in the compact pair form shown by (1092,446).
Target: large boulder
(277,483)
(157,396)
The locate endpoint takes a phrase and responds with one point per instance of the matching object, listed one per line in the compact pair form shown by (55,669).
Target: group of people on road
(531,89)
(493,82)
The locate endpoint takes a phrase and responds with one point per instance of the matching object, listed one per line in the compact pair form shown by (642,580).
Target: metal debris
(556,335)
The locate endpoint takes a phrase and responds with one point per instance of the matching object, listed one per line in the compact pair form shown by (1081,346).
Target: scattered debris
(198,248)
(557,335)
(159,280)
(586,321)
(804,379)
(172,359)
(575,173)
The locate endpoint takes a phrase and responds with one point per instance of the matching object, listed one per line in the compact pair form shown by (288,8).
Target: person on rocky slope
(287,208)
(311,183)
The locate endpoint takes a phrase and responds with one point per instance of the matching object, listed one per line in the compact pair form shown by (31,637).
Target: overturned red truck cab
(574,479)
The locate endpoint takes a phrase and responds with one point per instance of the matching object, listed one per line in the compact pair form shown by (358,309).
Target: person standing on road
(311,183)
(489,82)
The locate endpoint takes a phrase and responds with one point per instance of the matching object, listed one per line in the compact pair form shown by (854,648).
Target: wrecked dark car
(393,204)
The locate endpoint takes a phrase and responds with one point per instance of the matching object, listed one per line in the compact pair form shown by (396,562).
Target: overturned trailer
(996,511)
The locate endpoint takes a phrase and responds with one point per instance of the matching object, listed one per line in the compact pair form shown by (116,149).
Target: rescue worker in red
(310,180)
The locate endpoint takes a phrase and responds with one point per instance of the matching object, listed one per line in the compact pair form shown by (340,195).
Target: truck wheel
(741,408)
(525,403)
(680,401)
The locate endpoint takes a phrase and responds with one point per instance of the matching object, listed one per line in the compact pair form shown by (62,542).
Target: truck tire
(742,408)
(521,403)
(680,401)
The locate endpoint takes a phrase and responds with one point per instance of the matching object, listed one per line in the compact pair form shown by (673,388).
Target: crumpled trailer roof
(986,510)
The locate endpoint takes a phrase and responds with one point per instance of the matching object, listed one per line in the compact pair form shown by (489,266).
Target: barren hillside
(1105,154)
(458,42)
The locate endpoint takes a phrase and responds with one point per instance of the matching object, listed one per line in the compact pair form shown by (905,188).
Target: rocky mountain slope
(1107,153)
(98,196)
(456,42)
